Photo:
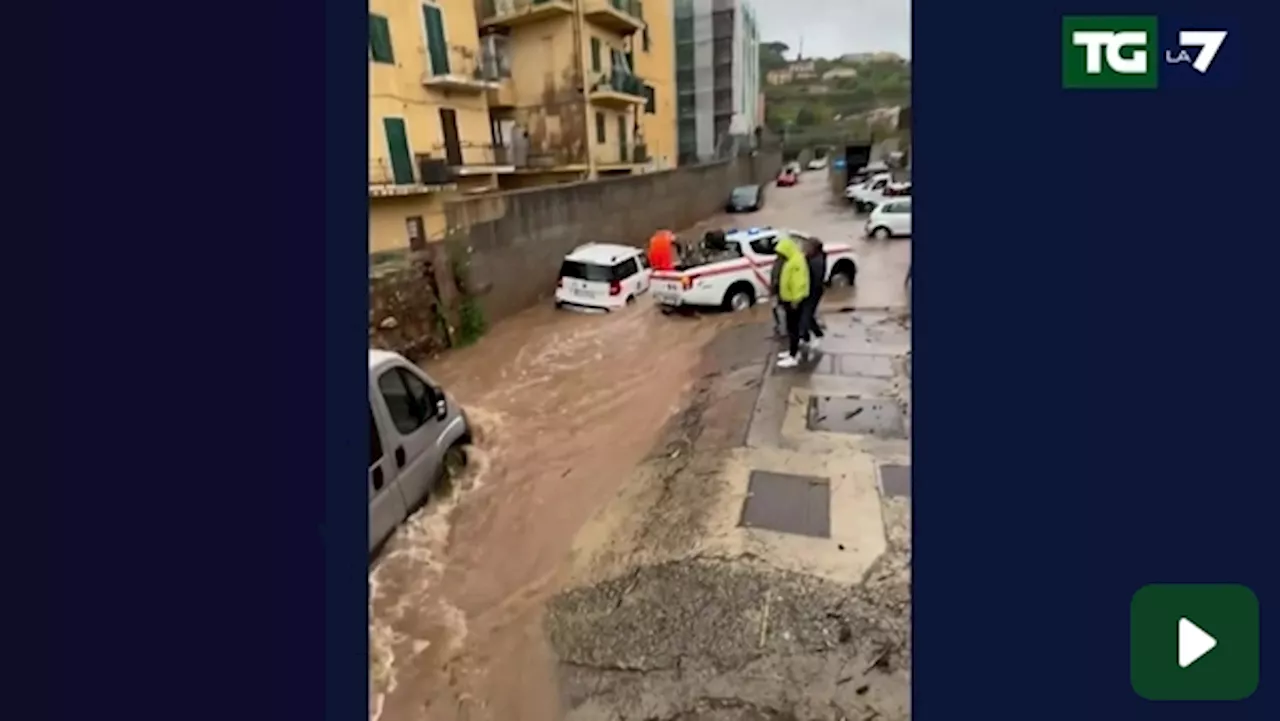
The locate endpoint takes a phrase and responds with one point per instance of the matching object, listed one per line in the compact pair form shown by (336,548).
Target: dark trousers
(795,322)
(809,326)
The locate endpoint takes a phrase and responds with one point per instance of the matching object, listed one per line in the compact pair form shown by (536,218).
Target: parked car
(854,193)
(602,276)
(787,178)
(745,198)
(818,163)
(736,276)
(416,437)
(889,219)
(869,200)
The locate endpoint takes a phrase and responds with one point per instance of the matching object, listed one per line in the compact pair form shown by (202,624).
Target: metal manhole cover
(895,481)
(788,504)
(880,417)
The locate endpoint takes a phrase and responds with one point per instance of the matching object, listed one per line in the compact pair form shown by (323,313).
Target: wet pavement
(567,407)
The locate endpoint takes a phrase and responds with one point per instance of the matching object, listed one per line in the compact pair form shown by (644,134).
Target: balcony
(621,158)
(424,174)
(514,13)
(618,90)
(468,159)
(620,16)
(459,69)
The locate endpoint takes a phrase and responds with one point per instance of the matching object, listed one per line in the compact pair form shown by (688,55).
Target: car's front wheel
(881,233)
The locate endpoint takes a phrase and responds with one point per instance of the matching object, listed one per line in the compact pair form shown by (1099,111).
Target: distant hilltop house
(817,89)
(803,69)
(887,116)
(837,73)
(868,57)
(778,77)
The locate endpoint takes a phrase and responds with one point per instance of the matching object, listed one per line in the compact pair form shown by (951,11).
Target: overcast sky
(836,27)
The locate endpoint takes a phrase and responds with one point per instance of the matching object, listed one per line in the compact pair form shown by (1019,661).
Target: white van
(416,435)
(602,276)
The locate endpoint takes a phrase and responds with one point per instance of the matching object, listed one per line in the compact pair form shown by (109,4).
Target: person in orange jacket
(662,251)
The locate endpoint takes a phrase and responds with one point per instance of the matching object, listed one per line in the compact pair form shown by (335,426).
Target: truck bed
(698,257)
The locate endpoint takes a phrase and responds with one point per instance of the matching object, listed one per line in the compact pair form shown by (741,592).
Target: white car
(889,219)
(602,276)
(739,277)
(817,164)
(857,193)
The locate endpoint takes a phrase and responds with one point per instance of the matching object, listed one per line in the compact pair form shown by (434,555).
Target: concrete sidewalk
(756,566)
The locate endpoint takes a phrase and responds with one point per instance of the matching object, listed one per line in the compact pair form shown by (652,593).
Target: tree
(772,57)
(806,117)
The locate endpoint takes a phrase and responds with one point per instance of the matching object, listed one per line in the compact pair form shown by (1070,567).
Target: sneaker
(789,361)
(814,344)
(784,354)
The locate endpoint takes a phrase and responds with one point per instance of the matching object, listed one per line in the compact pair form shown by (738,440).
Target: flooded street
(565,405)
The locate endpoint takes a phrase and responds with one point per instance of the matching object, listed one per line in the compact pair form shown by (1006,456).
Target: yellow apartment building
(429,130)
(591,87)
(470,96)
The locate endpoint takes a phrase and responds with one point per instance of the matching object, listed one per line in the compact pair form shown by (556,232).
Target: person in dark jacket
(816,256)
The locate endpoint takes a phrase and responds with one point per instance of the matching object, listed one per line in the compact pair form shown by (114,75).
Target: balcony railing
(424,173)
(475,157)
(618,82)
(462,68)
(510,13)
(633,155)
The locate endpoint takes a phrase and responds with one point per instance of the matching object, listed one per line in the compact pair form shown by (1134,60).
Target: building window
(644,39)
(650,100)
(600,137)
(595,55)
(380,40)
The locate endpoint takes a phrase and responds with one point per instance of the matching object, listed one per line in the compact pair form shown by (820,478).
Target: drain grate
(880,417)
(895,480)
(788,504)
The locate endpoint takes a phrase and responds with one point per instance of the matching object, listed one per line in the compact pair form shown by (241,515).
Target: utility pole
(580,39)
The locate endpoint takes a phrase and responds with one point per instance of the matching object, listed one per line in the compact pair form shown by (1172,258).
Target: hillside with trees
(834,97)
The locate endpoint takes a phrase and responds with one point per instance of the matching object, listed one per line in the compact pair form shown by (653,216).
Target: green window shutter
(595,55)
(600,136)
(645,38)
(631,62)
(437,46)
(650,100)
(380,39)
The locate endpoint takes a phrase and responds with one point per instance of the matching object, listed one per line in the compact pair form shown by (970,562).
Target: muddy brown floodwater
(565,405)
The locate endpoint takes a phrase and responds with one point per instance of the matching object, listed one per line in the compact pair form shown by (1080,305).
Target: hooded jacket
(793,285)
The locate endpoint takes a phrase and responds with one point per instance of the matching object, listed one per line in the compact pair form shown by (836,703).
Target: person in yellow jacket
(793,289)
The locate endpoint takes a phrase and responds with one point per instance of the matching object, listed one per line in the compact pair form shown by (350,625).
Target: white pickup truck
(738,277)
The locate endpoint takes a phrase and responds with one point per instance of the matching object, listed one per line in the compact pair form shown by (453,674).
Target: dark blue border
(1095,366)
(208,292)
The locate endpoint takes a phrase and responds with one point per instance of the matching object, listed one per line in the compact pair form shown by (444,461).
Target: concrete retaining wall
(514,242)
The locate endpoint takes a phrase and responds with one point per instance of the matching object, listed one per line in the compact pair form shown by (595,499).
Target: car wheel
(881,233)
(631,299)
(738,298)
(455,461)
(843,276)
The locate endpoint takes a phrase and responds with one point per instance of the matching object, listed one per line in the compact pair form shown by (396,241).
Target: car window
(375,441)
(586,271)
(765,245)
(625,269)
(407,399)
(644,261)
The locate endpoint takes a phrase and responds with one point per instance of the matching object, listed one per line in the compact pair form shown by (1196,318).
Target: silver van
(416,435)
